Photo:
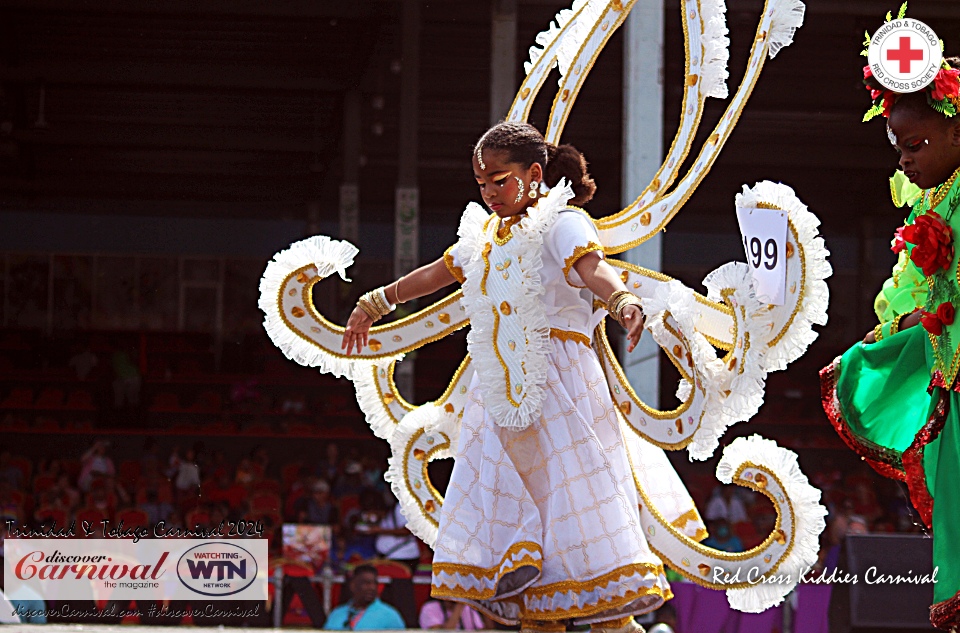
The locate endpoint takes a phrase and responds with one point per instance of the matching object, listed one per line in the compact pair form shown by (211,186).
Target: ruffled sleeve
(572,236)
(453,263)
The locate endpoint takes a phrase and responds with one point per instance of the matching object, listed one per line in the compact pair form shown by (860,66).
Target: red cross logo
(905,55)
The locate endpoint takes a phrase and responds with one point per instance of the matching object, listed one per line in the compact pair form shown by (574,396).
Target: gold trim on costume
(489,573)
(407,451)
(579,252)
(455,270)
(567,335)
(803,284)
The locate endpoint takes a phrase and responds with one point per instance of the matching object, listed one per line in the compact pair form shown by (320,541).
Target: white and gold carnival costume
(562,504)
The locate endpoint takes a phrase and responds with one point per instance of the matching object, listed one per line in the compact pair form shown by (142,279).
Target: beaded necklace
(939,193)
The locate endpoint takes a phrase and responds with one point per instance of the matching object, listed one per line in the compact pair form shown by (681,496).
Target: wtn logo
(217,569)
(224,568)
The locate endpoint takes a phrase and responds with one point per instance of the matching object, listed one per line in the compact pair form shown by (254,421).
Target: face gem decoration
(520,189)
(891,136)
(480,156)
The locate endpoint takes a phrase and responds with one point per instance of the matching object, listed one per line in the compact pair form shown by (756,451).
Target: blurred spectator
(95,463)
(360,524)
(9,472)
(225,490)
(156,510)
(68,495)
(101,499)
(50,467)
(865,501)
(150,460)
(451,616)
(317,508)
(372,473)
(395,541)
(722,538)
(351,481)
(725,504)
(10,509)
(126,380)
(364,611)
(83,362)
(329,467)
(187,479)
(246,473)
(857,525)
(261,461)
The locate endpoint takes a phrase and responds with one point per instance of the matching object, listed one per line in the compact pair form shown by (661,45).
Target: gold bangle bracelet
(369,308)
(896,324)
(878,333)
(615,299)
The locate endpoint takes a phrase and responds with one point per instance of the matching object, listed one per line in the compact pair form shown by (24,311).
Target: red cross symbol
(905,55)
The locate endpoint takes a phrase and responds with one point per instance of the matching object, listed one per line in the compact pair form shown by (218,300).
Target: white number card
(764,241)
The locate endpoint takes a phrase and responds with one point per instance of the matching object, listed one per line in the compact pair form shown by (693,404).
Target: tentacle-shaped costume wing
(716,390)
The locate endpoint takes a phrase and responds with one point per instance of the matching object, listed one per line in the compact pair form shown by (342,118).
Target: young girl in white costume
(540,522)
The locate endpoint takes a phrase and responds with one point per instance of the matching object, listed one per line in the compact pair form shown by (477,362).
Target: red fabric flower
(931,322)
(946,313)
(898,244)
(946,84)
(871,84)
(933,242)
(889,98)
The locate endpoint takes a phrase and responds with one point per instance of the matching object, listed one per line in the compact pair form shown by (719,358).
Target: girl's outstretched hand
(633,320)
(358,326)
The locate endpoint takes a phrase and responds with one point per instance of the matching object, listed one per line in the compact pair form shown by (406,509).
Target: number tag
(764,241)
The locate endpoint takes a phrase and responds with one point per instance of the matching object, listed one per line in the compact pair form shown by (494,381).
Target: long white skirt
(542,524)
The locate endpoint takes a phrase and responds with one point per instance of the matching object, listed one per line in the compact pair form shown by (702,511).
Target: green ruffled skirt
(887,406)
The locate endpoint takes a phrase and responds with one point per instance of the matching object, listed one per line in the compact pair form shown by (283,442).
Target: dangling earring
(534,185)
(520,189)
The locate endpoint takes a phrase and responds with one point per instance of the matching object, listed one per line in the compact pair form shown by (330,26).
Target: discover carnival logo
(151,569)
(217,569)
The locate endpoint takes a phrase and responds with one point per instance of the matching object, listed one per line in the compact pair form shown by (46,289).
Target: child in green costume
(895,398)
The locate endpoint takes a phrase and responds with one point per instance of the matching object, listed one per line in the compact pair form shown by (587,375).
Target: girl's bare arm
(419,283)
(603,281)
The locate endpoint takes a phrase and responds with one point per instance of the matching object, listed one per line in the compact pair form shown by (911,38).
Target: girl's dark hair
(524,144)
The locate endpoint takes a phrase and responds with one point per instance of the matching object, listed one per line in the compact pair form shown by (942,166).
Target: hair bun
(565,161)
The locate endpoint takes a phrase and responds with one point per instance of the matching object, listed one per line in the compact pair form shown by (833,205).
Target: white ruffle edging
(328,256)
(741,386)
(808,515)
(525,249)
(571,43)
(546,38)
(716,49)
(679,301)
(425,416)
(370,399)
(816,294)
(787,18)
